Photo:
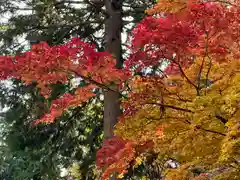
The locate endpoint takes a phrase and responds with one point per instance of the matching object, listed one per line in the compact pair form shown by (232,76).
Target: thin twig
(201,67)
(208,71)
(97,83)
(183,73)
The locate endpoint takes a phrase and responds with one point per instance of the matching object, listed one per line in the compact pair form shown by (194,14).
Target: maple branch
(183,73)
(187,110)
(199,77)
(209,69)
(94,82)
(201,68)
(211,131)
(207,130)
(170,95)
(223,120)
(97,83)
(170,106)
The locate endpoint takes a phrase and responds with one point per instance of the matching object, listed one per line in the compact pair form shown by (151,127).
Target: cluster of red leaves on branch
(179,36)
(65,102)
(117,155)
(47,65)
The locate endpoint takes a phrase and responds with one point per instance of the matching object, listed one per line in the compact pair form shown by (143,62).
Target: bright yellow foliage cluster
(198,128)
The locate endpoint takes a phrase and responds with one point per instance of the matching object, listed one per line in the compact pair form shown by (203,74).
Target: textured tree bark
(113,29)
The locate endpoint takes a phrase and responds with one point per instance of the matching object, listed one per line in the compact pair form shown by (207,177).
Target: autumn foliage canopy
(188,109)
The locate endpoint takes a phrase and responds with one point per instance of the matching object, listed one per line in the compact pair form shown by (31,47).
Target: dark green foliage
(56,22)
(38,152)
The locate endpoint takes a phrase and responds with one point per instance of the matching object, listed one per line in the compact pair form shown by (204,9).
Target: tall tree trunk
(113,29)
